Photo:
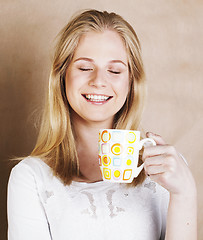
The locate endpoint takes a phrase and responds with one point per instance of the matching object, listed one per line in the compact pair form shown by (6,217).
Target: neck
(88,129)
(87,134)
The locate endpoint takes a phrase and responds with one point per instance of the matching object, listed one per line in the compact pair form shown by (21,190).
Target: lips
(96,97)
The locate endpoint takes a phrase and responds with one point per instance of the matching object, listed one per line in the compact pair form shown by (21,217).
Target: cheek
(123,87)
(71,82)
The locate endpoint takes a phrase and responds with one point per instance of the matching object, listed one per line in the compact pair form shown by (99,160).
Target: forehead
(106,44)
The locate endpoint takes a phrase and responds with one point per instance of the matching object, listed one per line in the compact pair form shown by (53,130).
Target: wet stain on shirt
(113,209)
(151,186)
(92,208)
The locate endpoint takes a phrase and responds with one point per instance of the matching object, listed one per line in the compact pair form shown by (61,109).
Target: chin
(100,119)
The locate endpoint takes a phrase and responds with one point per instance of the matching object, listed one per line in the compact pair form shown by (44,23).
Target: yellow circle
(116,149)
(131,137)
(129,162)
(117,173)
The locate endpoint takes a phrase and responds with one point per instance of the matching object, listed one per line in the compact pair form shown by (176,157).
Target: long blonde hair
(56,142)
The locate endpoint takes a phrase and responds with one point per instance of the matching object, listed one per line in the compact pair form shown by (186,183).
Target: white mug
(119,154)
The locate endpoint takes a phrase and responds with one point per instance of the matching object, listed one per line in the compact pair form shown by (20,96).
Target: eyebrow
(91,60)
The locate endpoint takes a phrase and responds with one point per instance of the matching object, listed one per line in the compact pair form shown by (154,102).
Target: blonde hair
(56,142)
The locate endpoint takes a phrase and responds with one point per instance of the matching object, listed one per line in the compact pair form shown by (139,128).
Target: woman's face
(97,79)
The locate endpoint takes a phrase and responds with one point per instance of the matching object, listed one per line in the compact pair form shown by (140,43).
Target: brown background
(171,34)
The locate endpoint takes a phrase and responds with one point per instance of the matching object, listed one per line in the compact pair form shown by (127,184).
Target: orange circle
(99,136)
(106,160)
(106,136)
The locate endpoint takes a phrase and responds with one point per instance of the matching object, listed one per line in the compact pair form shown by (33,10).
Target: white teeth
(96,98)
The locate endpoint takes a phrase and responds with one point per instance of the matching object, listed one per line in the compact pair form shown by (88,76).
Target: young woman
(97,81)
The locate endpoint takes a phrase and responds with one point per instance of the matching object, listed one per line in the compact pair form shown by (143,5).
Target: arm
(167,167)
(181,219)
(26,216)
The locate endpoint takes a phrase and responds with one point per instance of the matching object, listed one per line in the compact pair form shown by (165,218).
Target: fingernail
(149,134)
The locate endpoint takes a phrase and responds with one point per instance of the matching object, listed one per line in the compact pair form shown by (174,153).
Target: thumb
(157,138)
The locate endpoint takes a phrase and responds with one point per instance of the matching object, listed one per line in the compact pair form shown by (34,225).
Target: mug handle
(145,140)
(141,144)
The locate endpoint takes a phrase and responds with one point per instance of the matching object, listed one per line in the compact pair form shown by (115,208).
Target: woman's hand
(166,166)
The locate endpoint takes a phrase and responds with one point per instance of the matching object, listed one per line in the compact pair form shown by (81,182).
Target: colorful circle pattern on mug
(116,154)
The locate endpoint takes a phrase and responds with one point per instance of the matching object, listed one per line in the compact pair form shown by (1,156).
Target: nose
(98,79)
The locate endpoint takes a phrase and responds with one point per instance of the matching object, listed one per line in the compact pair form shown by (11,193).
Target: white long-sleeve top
(41,207)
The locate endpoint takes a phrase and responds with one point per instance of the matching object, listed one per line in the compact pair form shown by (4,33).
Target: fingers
(154,160)
(158,159)
(157,138)
(165,166)
(158,164)
(152,151)
(153,170)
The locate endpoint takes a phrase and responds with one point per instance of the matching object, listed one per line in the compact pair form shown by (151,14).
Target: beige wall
(171,34)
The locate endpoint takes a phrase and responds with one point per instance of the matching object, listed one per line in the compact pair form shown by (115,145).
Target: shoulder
(31,164)
(30,170)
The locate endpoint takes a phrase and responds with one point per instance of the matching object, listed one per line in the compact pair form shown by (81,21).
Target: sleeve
(26,215)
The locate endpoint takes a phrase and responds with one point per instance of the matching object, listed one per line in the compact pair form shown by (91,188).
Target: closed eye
(114,72)
(85,69)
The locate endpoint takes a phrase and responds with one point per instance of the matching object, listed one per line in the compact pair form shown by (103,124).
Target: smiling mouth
(96,97)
